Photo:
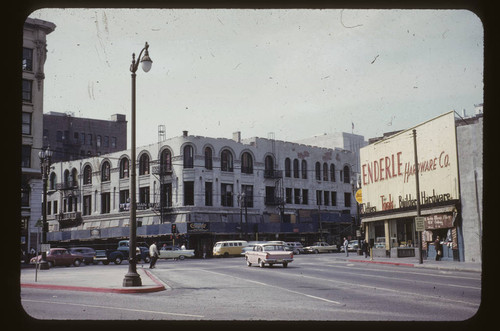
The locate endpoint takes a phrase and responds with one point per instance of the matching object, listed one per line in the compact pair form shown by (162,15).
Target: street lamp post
(132,278)
(45,156)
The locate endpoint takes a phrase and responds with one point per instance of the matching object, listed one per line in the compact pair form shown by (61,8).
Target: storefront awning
(413,213)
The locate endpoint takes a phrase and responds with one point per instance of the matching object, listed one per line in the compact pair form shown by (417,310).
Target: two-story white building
(210,188)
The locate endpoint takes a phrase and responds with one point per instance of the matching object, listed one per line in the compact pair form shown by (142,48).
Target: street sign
(419,224)
(359,198)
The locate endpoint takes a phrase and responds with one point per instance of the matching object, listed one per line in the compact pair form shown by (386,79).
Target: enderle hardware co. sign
(388,167)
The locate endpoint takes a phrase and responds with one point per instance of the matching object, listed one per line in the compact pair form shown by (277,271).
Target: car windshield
(269,248)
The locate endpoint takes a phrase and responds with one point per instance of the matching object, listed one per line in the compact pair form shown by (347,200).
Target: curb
(384,262)
(142,289)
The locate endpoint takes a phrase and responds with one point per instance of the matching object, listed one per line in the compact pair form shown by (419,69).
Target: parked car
(59,256)
(122,253)
(296,247)
(174,252)
(270,254)
(320,247)
(87,252)
(353,245)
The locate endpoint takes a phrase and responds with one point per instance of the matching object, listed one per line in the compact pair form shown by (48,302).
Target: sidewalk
(415,263)
(89,279)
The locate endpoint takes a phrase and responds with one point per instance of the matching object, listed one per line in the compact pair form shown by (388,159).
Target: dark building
(74,138)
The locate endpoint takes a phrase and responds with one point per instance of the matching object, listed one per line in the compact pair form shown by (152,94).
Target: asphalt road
(313,287)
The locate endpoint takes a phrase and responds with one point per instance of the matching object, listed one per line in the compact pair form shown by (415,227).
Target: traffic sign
(419,224)
(359,197)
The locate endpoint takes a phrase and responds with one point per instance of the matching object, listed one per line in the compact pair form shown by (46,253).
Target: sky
(296,73)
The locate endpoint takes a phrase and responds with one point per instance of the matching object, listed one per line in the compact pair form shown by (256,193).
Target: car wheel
(118,260)
(77,263)
(316,251)
(285,264)
(147,259)
(50,264)
(249,263)
(226,254)
(182,257)
(261,264)
(105,262)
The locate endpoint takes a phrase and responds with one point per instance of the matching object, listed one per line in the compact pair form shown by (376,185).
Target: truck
(122,253)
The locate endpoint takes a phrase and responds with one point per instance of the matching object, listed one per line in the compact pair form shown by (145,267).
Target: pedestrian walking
(439,248)
(346,243)
(365,248)
(153,253)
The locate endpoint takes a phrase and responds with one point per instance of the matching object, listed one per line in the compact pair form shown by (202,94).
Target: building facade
(34,56)
(449,186)
(210,188)
(72,138)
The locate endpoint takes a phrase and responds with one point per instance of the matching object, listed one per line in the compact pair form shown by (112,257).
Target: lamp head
(146,61)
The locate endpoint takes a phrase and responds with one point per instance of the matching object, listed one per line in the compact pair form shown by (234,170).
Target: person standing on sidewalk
(365,248)
(346,243)
(439,248)
(153,253)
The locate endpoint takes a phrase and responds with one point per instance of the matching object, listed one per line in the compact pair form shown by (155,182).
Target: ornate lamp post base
(132,279)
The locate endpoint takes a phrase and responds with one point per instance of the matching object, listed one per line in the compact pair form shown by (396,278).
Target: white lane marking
(277,287)
(116,308)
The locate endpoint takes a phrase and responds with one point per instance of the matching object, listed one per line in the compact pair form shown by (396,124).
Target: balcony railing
(162,170)
(273,174)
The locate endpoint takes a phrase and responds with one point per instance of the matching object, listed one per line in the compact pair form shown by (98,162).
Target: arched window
(188,156)
(226,161)
(296,168)
(166,161)
(325,171)
(105,172)
(288,168)
(87,175)
(124,168)
(332,172)
(246,163)
(347,175)
(74,177)
(52,181)
(144,164)
(208,158)
(304,169)
(269,167)
(67,179)
(318,171)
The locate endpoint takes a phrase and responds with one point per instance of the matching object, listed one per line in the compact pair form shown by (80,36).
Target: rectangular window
(188,193)
(124,196)
(347,199)
(106,141)
(208,194)
(334,198)
(327,198)
(26,124)
(25,195)
(98,141)
(248,190)
(319,195)
(226,195)
(59,136)
(26,156)
(296,196)
(87,205)
(82,138)
(49,207)
(89,139)
(55,209)
(305,197)
(288,195)
(144,196)
(105,203)
(27,59)
(27,88)
(113,142)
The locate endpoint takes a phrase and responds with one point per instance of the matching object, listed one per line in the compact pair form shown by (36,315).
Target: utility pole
(417,184)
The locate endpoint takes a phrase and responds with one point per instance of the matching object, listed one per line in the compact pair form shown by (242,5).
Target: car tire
(77,263)
(285,264)
(50,264)
(105,262)
(249,263)
(182,257)
(118,260)
(147,259)
(261,264)
(316,251)
(226,254)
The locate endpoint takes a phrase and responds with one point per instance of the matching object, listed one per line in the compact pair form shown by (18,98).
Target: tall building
(34,56)
(211,188)
(72,138)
